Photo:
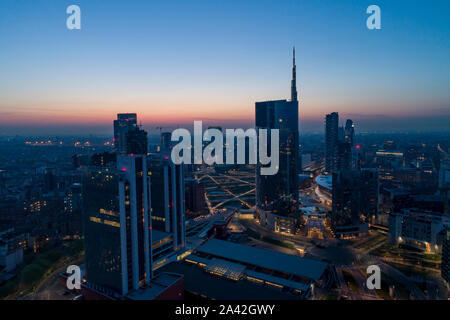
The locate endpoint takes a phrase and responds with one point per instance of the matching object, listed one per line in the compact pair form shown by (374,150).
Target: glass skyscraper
(277,195)
(116,214)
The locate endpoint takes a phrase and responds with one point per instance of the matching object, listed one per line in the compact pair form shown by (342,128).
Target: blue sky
(173,62)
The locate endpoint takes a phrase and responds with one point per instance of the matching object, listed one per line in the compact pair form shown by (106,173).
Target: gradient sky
(174,61)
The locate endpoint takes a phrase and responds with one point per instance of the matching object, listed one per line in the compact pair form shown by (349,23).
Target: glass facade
(278,194)
(101,222)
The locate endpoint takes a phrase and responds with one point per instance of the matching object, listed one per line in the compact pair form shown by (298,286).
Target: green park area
(37,266)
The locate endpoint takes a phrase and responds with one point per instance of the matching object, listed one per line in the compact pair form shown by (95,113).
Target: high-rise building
(343,157)
(349,132)
(50,181)
(339,142)
(125,122)
(369,194)
(137,141)
(116,227)
(166,141)
(117,202)
(355,201)
(195,196)
(277,195)
(331,140)
(167,197)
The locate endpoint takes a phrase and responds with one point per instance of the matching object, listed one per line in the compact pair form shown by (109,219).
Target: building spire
(294,79)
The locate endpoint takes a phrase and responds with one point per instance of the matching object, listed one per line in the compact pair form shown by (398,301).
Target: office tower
(349,132)
(357,157)
(166,141)
(294,79)
(117,226)
(136,142)
(103,159)
(369,194)
(50,183)
(445,266)
(331,140)
(195,196)
(167,197)
(343,157)
(277,195)
(355,200)
(125,122)
(346,220)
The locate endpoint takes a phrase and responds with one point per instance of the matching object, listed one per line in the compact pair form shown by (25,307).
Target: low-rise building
(418,228)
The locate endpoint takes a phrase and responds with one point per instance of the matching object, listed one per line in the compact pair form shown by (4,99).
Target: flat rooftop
(199,282)
(302,267)
(157,286)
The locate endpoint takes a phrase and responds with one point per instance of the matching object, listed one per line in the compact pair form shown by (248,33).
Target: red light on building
(124,169)
(358,146)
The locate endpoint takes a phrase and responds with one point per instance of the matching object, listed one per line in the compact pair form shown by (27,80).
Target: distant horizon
(173,63)
(305,128)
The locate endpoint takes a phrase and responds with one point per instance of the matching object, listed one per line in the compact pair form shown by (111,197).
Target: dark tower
(277,195)
(294,79)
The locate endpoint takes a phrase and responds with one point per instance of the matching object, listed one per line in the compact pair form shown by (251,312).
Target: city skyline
(212,61)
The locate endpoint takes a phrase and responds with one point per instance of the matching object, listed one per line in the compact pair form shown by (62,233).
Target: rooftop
(199,282)
(302,267)
(157,286)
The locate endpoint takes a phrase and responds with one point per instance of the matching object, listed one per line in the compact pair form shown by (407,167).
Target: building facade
(277,195)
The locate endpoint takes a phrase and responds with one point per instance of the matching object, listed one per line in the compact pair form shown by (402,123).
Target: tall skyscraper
(349,132)
(369,194)
(168,194)
(125,122)
(116,227)
(294,79)
(277,195)
(331,140)
(166,141)
(346,220)
(195,196)
(116,212)
(137,141)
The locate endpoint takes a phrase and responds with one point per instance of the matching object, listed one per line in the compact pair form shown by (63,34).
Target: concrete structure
(125,122)
(276,270)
